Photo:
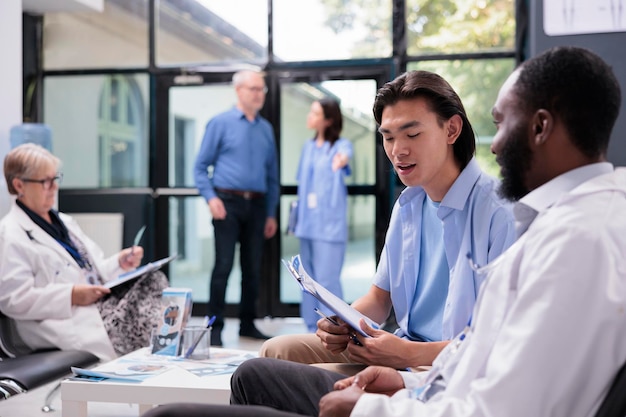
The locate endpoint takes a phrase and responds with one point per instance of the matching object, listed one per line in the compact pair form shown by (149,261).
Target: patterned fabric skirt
(132,310)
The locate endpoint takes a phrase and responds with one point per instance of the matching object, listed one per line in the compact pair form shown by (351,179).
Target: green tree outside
(442,27)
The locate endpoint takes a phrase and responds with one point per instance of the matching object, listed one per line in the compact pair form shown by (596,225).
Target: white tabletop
(176,384)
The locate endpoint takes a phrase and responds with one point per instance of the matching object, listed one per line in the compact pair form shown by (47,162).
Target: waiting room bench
(22,369)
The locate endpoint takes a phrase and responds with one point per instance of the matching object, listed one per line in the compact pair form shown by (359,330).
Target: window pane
(114,38)
(211,31)
(477,82)
(191,236)
(459,25)
(356,98)
(313,30)
(190,109)
(360,261)
(92,131)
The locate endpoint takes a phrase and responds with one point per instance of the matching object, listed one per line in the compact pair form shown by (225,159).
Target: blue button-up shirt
(243,157)
(476,221)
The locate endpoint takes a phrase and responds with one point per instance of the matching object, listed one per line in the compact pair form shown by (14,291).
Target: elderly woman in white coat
(51,273)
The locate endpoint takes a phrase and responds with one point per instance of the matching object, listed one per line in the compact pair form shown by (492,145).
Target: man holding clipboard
(449,209)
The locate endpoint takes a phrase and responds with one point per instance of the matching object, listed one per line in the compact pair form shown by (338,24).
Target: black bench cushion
(39,368)
(11,344)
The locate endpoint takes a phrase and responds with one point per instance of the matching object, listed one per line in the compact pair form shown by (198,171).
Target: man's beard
(515,159)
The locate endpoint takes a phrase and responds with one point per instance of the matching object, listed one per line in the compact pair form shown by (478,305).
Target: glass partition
(194,32)
(99,129)
(449,26)
(313,30)
(117,37)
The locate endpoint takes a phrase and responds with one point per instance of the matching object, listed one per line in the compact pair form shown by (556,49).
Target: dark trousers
(244,223)
(284,385)
(265,387)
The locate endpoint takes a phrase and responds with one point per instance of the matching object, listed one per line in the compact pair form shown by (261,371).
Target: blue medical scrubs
(322,220)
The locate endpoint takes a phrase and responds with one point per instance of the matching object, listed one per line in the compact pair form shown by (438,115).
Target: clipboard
(342,309)
(135,273)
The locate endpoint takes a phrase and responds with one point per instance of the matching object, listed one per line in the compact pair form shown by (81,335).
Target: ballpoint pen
(195,343)
(138,237)
(336,323)
(330,319)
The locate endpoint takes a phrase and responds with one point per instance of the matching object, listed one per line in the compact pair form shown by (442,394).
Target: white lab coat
(549,327)
(36,279)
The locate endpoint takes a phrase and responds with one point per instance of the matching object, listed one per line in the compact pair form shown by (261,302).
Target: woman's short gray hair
(25,161)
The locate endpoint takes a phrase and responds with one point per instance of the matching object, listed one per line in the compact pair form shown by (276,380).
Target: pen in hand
(352,336)
(136,241)
(330,319)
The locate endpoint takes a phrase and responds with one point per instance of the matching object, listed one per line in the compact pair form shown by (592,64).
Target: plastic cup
(196,343)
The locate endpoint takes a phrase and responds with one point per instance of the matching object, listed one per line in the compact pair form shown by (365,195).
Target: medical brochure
(176,305)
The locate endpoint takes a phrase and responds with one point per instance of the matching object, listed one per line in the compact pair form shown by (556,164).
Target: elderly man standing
(242,194)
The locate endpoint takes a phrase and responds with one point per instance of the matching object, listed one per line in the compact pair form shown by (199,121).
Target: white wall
(10,82)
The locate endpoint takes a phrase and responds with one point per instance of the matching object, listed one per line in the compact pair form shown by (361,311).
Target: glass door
(185,103)
(366,186)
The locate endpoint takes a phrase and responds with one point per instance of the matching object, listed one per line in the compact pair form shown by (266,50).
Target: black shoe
(216,337)
(252,331)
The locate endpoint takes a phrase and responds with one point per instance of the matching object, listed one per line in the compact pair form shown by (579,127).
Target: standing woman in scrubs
(322,203)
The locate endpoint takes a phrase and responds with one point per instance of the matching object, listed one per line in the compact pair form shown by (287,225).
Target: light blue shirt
(243,157)
(431,291)
(476,221)
(325,220)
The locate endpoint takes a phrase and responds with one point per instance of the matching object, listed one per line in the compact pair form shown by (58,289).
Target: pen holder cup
(196,343)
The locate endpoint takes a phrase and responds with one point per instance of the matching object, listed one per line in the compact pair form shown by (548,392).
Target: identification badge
(311,200)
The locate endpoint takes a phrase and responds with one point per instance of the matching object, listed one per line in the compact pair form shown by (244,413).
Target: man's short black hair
(576,85)
(442,100)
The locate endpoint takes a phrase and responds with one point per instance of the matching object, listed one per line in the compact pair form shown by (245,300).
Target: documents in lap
(330,300)
(135,273)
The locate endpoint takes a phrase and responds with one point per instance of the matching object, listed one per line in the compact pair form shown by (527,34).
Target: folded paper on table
(342,309)
(123,369)
(136,273)
(141,365)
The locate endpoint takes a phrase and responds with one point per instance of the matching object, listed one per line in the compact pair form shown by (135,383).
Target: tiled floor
(29,404)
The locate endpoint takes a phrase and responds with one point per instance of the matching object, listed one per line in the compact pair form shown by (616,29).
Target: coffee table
(176,384)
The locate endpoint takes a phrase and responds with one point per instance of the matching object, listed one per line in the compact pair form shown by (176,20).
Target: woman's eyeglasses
(46,183)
